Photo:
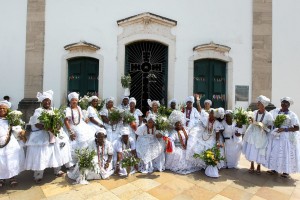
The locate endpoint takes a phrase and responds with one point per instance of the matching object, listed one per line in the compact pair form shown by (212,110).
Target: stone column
(261,50)
(34,56)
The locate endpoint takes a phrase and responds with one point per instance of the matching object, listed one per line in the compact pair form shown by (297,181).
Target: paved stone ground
(232,184)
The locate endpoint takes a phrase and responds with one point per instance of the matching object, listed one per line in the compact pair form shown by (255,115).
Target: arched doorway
(83,75)
(147,64)
(210,81)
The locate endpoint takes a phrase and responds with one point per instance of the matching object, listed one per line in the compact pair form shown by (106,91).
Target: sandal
(2,183)
(60,174)
(285,175)
(271,172)
(13,182)
(251,171)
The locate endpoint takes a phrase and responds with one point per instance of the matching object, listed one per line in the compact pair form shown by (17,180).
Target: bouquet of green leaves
(162,110)
(84,102)
(210,156)
(85,158)
(129,160)
(100,105)
(115,115)
(126,81)
(162,123)
(14,118)
(52,120)
(128,118)
(241,117)
(279,120)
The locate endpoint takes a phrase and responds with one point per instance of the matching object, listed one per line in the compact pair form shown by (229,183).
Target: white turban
(151,116)
(45,95)
(219,113)
(101,130)
(92,98)
(5,103)
(264,100)
(176,116)
(289,99)
(228,112)
(208,101)
(110,99)
(73,95)
(190,98)
(124,97)
(125,131)
(172,101)
(150,103)
(132,99)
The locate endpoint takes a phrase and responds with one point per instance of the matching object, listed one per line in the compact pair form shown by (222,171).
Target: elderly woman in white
(81,135)
(191,114)
(12,155)
(149,148)
(255,139)
(95,121)
(103,167)
(124,103)
(44,150)
(154,105)
(283,147)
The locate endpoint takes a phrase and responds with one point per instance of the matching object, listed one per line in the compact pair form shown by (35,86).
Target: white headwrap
(150,103)
(190,98)
(219,113)
(151,116)
(132,99)
(110,99)
(101,130)
(124,97)
(44,95)
(230,112)
(73,95)
(176,116)
(289,99)
(208,101)
(171,101)
(264,100)
(5,103)
(125,131)
(92,98)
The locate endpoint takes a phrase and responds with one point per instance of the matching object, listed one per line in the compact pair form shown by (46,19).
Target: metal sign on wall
(241,93)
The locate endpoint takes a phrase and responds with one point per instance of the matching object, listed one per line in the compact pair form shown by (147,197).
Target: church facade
(227,51)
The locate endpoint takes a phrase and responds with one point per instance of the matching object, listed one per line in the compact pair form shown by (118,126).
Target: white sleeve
(34,119)
(132,144)
(68,113)
(141,129)
(110,150)
(104,112)
(138,112)
(91,112)
(294,119)
(118,146)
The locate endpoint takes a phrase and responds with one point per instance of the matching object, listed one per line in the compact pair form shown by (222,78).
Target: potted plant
(85,163)
(126,82)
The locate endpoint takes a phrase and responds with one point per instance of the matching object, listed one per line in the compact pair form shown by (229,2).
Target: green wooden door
(83,73)
(210,81)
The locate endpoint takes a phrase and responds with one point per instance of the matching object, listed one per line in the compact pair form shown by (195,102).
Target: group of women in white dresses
(194,130)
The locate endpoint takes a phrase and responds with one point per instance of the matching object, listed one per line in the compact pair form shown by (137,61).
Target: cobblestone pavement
(232,184)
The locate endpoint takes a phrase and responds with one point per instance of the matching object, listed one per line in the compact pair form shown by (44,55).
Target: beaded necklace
(7,139)
(188,115)
(262,117)
(79,116)
(100,155)
(181,139)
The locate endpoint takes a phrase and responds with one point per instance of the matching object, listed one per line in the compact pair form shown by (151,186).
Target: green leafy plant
(85,158)
(115,115)
(129,160)
(279,120)
(14,118)
(126,81)
(100,105)
(84,102)
(52,120)
(241,116)
(128,118)
(162,123)
(210,156)
(164,111)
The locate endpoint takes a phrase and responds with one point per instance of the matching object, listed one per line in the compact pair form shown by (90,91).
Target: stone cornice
(81,46)
(213,47)
(147,18)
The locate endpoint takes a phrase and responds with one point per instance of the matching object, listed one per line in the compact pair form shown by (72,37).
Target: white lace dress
(12,156)
(137,113)
(233,144)
(92,112)
(256,139)
(84,133)
(112,135)
(192,118)
(148,149)
(284,148)
(42,154)
(177,160)
(103,152)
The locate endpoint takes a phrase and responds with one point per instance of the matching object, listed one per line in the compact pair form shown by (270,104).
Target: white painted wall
(199,21)
(12,49)
(286,51)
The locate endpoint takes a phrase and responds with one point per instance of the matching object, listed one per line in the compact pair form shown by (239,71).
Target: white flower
(51,112)
(16,112)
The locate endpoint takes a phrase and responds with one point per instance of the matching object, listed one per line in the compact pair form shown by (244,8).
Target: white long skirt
(113,135)
(65,148)
(233,152)
(12,159)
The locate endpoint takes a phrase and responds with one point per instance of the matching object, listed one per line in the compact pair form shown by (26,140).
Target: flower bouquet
(52,121)
(162,124)
(211,157)
(129,119)
(241,117)
(17,124)
(126,82)
(278,123)
(129,160)
(164,111)
(84,102)
(85,162)
(100,105)
(114,117)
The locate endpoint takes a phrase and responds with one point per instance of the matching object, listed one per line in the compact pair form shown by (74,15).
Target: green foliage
(52,120)
(241,116)
(128,118)
(14,118)
(100,105)
(279,120)
(164,111)
(128,159)
(126,81)
(162,123)
(84,102)
(85,158)
(115,115)
(210,156)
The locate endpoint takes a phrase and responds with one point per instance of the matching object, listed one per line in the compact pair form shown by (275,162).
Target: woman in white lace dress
(177,160)
(154,105)
(283,148)
(95,121)
(12,155)
(255,139)
(44,150)
(103,167)
(149,148)
(138,115)
(191,114)
(81,135)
